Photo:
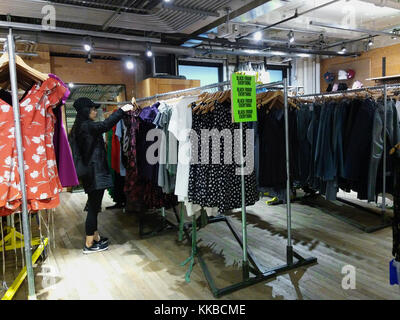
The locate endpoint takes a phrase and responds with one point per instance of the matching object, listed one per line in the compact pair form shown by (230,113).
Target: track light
(149,53)
(291,36)
(395,34)
(129,65)
(87,44)
(89,58)
(257,36)
(343,50)
(370,42)
(71,85)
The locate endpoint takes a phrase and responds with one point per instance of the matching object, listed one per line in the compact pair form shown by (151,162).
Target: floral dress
(37,127)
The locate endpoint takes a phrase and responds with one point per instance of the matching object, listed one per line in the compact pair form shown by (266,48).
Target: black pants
(94,203)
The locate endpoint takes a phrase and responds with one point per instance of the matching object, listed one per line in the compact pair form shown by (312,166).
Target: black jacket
(91,146)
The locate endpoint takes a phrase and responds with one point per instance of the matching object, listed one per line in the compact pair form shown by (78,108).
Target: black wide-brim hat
(84,103)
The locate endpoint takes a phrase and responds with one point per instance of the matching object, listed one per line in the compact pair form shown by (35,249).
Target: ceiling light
(87,44)
(303,55)
(71,85)
(149,53)
(257,36)
(343,50)
(129,65)
(370,42)
(87,47)
(291,36)
(395,34)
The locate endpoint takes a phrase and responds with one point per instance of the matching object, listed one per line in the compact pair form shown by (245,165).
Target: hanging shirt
(119,132)
(168,150)
(180,126)
(37,126)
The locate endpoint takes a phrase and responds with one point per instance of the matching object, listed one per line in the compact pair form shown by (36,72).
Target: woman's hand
(127,107)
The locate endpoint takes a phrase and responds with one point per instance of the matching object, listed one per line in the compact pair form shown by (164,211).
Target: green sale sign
(244,106)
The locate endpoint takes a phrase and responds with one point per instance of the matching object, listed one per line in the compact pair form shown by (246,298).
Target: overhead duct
(181,15)
(136,46)
(385,3)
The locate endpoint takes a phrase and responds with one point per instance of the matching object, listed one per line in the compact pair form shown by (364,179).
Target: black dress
(216,184)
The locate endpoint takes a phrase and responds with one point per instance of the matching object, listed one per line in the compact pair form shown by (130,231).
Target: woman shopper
(90,159)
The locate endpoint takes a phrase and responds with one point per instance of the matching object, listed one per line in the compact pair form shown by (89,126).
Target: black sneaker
(102,241)
(96,247)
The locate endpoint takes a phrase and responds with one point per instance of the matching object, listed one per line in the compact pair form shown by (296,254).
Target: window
(275,75)
(207,73)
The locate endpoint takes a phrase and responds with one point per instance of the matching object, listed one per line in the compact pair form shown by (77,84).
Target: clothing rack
(21,168)
(250,263)
(385,222)
(166,225)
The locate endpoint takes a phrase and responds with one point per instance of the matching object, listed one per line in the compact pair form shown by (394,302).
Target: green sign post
(244,106)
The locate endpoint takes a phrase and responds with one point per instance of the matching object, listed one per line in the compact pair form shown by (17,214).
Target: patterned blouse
(37,126)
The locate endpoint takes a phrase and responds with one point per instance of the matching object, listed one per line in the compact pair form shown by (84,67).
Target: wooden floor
(150,269)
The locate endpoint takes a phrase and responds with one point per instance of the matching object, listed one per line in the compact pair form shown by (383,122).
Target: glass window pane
(275,75)
(206,75)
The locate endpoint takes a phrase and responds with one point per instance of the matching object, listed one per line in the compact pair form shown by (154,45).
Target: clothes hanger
(22,67)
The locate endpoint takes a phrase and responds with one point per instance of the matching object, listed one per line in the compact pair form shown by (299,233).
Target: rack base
(260,272)
(166,226)
(22,275)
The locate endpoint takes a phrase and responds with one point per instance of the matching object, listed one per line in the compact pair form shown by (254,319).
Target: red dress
(37,126)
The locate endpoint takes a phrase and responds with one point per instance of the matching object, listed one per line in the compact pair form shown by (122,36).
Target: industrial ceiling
(201,27)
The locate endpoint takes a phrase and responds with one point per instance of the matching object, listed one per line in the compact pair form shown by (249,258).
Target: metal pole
(384,151)
(21,167)
(244,225)
(288,208)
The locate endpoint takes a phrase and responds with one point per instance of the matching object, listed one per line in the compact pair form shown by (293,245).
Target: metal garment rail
(386,222)
(249,261)
(21,166)
(166,225)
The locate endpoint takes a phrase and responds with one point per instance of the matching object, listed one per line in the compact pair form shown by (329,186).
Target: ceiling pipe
(296,15)
(345,28)
(332,45)
(128,47)
(35,27)
(259,25)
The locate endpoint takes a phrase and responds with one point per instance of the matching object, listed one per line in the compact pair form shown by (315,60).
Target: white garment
(180,126)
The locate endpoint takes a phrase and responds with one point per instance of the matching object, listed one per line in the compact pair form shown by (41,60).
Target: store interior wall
(76,70)
(374,58)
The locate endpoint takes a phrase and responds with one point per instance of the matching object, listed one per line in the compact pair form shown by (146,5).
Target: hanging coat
(90,142)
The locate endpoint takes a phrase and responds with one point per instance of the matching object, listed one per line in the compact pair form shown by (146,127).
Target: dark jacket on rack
(87,135)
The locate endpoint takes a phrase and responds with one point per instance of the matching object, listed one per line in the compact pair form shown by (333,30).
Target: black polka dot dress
(219,184)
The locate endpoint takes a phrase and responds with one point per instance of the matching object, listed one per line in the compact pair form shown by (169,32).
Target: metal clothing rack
(166,225)
(250,264)
(386,221)
(18,138)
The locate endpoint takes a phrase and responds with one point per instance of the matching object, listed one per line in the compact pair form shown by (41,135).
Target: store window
(275,75)
(207,73)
